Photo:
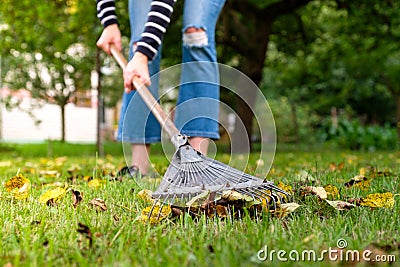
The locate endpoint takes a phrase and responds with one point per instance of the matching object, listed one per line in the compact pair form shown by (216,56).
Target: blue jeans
(197,107)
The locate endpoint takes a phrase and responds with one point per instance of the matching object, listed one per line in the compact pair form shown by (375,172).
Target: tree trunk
(398,115)
(246,28)
(245,104)
(295,123)
(62,123)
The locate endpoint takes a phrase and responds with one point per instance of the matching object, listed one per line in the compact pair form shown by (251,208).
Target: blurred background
(330,70)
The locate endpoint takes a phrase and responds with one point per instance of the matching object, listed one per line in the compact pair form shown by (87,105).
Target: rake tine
(152,208)
(161,207)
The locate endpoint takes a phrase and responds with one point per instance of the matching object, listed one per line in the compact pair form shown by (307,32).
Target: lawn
(35,234)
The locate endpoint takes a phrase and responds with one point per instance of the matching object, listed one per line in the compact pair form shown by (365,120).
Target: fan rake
(191,174)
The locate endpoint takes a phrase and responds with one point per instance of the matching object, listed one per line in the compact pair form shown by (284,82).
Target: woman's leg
(198,101)
(137,125)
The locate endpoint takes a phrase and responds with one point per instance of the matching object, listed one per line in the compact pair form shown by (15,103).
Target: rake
(191,173)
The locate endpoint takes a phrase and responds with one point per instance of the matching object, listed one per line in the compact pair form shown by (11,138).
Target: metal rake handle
(148,98)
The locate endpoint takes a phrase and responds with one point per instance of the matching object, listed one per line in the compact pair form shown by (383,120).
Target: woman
(199,80)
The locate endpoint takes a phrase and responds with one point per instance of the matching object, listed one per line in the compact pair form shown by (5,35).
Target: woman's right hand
(137,68)
(110,35)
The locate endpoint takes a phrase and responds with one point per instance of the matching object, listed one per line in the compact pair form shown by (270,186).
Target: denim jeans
(197,106)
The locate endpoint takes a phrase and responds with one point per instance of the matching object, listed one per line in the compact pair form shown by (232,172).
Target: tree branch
(283,7)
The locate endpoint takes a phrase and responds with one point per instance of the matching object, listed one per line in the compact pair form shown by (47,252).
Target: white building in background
(80,121)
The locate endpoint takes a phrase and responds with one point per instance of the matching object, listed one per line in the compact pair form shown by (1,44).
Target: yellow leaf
(332,191)
(145,195)
(286,188)
(49,173)
(96,183)
(18,186)
(231,195)
(51,197)
(155,214)
(378,200)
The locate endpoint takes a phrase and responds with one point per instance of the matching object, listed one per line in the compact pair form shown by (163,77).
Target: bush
(353,135)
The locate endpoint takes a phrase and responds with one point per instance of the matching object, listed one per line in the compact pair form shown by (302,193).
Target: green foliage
(306,120)
(352,134)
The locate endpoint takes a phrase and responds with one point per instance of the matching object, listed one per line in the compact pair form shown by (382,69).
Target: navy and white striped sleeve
(157,23)
(106,12)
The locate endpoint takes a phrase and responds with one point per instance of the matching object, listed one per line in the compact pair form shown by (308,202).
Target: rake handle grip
(147,97)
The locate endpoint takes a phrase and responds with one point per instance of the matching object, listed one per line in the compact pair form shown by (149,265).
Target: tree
(245,31)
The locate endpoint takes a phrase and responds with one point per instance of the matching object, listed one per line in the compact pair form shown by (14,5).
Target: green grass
(33,234)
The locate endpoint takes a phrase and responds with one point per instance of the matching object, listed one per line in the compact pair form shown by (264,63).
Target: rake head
(191,174)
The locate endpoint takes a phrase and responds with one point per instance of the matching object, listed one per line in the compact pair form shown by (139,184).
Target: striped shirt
(158,20)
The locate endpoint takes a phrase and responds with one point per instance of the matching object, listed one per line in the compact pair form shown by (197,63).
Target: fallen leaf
(49,173)
(285,209)
(55,184)
(96,183)
(198,200)
(222,211)
(286,188)
(154,214)
(145,195)
(378,200)
(76,197)
(18,186)
(314,190)
(336,167)
(332,191)
(358,181)
(340,205)
(232,195)
(98,204)
(85,230)
(51,197)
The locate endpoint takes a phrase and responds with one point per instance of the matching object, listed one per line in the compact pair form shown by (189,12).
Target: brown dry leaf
(198,200)
(332,191)
(285,209)
(378,200)
(314,190)
(51,197)
(98,204)
(145,195)
(85,230)
(76,197)
(18,186)
(96,183)
(222,211)
(336,167)
(154,214)
(340,205)
(358,181)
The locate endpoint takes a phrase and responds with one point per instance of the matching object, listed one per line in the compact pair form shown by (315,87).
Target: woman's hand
(137,68)
(110,35)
